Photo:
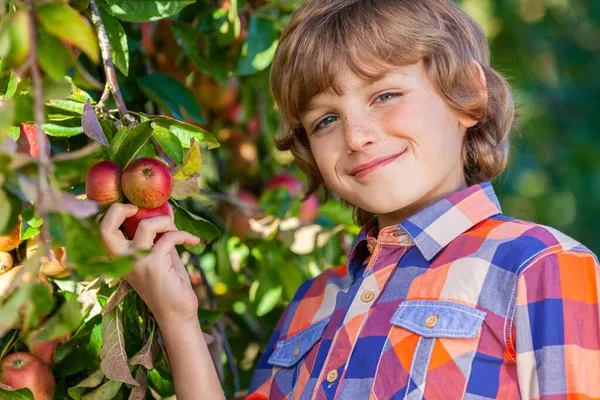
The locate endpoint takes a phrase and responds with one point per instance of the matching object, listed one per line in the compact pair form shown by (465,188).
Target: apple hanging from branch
(24,370)
(103,183)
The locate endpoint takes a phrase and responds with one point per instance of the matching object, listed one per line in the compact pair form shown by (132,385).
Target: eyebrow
(366,83)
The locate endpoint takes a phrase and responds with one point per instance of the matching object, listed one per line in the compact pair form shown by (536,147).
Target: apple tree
(90,83)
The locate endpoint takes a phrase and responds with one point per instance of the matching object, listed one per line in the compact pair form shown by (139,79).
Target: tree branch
(43,160)
(109,67)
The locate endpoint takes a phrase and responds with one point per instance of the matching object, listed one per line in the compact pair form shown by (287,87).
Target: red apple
(28,141)
(103,183)
(310,208)
(147,183)
(44,349)
(130,225)
(23,370)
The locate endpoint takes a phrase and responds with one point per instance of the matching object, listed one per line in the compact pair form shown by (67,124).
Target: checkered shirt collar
(434,227)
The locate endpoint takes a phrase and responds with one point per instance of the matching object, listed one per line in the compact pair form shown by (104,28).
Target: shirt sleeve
(557,327)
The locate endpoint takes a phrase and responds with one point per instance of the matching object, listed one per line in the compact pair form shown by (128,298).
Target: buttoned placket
(374,278)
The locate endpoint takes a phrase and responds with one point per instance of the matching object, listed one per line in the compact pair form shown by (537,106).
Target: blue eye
(323,124)
(389,96)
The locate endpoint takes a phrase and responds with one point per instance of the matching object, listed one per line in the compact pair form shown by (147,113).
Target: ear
(465,120)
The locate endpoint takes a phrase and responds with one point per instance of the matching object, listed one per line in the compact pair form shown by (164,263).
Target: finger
(149,228)
(113,238)
(169,240)
(114,217)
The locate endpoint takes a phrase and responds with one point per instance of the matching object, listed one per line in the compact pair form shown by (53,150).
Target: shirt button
(367,296)
(431,321)
(332,376)
(296,350)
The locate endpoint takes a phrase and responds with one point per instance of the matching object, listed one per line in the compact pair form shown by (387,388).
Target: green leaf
(15,39)
(209,317)
(169,143)
(8,84)
(129,144)
(79,5)
(30,223)
(21,394)
(81,337)
(110,268)
(7,111)
(41,303)
(145,10)
(107,391)
(118,41)
(260,46)
(54,58)
(65,320)
(56,89)
(198,226)
(9,212)
(171,95)
(91,381)
(10,311)
(14,132)
(81,237)
(67,105)
(66,23)
(188,38)
(185,132)
(63,128)
(269,301)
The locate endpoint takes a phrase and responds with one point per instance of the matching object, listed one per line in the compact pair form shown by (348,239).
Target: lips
(373,163)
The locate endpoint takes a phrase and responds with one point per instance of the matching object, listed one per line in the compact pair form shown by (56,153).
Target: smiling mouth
(364,172)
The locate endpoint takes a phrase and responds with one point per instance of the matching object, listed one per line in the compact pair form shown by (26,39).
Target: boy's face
(400,121)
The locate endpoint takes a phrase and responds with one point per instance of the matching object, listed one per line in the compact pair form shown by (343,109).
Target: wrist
(170,320)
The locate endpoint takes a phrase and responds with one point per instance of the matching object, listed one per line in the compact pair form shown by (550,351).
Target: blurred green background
(549,50)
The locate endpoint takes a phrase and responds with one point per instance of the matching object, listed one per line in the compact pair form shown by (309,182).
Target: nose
(358,133)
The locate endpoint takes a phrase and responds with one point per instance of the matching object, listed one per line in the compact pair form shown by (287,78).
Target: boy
(392,104)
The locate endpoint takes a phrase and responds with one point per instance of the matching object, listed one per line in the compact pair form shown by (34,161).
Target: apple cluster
(146,183)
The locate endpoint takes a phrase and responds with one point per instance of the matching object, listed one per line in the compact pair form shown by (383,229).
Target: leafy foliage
(194,77)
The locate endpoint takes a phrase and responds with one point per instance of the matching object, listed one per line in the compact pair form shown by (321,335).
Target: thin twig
(44,166)
(109,66)
(213,305)
(104,98)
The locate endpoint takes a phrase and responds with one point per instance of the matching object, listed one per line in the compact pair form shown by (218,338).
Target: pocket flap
(433,318)
(289,351)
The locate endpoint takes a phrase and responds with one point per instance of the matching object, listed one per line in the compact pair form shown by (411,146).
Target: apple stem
(43,159)
(109,68)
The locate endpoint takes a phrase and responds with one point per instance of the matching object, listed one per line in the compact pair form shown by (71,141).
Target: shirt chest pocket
(429,351)
(290,355)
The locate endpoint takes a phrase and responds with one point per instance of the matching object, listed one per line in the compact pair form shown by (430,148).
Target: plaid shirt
(457,302)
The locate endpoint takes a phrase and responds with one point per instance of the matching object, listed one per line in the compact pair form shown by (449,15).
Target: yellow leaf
(192,164)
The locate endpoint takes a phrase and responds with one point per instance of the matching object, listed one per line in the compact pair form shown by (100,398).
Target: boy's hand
(159,277)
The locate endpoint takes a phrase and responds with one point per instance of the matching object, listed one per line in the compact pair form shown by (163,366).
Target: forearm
(191,363)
